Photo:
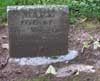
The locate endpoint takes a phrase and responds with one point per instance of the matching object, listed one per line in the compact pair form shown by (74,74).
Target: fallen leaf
(96,45)
(51,70)
(83,20)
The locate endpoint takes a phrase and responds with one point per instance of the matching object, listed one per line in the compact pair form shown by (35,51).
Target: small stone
(18,71)
(4,37)
(74,69)
(5,46)
(66,62)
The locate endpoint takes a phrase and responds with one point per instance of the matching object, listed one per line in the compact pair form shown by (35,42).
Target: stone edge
(65,7)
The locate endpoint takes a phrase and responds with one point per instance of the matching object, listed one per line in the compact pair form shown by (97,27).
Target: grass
(81,77)
(78,8)
(39,78)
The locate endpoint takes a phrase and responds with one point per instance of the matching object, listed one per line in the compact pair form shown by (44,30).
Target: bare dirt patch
(79,33)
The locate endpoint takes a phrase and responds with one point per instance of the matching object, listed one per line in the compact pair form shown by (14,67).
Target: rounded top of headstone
(62,7)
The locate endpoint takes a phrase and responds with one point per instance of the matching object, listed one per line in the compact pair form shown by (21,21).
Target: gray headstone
(38,30)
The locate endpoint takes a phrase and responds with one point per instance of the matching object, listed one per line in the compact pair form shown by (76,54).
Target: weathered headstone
(38,30)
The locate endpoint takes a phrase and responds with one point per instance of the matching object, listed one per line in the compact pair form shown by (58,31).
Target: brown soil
(77,35)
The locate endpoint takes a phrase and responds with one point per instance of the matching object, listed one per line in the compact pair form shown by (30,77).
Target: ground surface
(79,33)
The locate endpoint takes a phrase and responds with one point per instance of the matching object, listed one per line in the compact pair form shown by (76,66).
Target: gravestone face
(38,30)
